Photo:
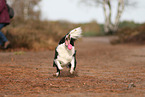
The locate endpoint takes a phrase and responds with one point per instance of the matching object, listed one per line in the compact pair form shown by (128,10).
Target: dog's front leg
(57,73)
(72,66)
(58,65)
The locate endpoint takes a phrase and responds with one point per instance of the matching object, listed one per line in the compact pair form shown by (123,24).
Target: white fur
(58,64)
(64,54)
(76,33)
(57,74)
(72,65)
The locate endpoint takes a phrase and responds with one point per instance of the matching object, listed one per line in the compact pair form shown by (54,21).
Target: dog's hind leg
(73,65)
(58,71)
(75,62)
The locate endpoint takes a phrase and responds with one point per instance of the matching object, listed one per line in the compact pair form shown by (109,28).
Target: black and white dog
(65,53)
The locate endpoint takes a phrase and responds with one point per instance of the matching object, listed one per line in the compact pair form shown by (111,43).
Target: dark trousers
(2,36)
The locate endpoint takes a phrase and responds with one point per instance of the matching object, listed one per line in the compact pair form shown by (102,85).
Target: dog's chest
(65,55)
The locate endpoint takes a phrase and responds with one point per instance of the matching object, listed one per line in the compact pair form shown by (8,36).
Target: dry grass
(131,35)
(36,34)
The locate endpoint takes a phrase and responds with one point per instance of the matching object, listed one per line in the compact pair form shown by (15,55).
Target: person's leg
(3,39)
(2,36)
(1,42)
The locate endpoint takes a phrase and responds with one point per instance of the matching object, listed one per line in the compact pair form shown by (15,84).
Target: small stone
(131,85)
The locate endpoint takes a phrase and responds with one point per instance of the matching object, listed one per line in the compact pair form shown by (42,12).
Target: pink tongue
(69,46)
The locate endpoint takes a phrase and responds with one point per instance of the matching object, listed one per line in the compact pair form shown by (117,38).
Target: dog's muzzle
(67,42)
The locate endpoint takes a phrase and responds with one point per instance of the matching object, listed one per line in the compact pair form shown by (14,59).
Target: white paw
(56,74)
(71,71)
(60,68)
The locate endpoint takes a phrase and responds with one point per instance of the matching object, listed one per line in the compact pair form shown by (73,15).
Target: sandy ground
(103,70)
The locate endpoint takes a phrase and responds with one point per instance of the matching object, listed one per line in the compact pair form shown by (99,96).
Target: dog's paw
(60,68)
(56,74)
(71,71)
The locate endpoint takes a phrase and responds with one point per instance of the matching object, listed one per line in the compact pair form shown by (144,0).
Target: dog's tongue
(69,46)
(67,43)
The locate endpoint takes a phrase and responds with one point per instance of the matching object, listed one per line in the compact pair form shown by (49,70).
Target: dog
(65,53)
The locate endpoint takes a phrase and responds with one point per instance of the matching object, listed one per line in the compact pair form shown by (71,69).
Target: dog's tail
(76,33)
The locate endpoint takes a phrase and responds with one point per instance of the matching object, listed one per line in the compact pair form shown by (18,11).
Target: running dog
(65,53)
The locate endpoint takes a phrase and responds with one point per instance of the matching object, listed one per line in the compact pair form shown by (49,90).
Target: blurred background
(40,24)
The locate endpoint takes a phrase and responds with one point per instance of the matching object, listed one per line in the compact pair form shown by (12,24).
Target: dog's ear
(76,33)
(62,40)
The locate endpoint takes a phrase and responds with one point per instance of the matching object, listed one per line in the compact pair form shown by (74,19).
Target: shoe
(6,44)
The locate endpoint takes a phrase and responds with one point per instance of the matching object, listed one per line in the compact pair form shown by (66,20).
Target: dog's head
(71,37)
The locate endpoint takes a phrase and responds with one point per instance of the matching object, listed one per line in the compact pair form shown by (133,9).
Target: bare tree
(24,9)
(109,26)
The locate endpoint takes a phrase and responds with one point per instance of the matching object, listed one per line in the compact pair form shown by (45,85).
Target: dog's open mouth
(67,42)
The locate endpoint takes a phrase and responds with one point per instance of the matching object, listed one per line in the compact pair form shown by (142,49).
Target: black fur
(62,40)
(55,57)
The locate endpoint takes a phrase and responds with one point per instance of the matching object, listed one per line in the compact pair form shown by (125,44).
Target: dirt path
(102,70)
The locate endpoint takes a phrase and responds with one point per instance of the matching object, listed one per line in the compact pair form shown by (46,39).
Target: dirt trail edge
(102,70)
